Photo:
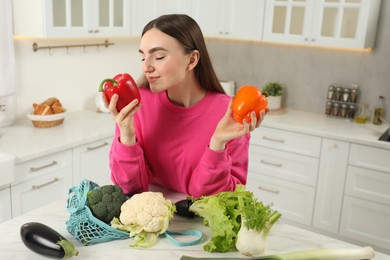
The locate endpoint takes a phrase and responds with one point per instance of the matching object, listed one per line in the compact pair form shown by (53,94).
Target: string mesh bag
(86,228)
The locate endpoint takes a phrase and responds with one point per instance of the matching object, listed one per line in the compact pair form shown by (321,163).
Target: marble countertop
(283,238)
(327,127)
(26,142)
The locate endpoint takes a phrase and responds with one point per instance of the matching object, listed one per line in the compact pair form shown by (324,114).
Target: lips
(152,79)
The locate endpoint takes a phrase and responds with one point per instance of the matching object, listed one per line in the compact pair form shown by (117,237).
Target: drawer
(366,221)
(294,201)
(40,191)
(288,166)
(370,157)
(287,141)
(44,165)
(368,184)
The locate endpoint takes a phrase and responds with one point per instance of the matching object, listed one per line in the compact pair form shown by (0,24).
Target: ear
(194,59)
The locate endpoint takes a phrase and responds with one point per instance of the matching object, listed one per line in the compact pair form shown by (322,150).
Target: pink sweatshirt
(172,149)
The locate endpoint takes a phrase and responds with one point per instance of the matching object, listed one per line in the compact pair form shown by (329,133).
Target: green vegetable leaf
(223,213)
(145,239)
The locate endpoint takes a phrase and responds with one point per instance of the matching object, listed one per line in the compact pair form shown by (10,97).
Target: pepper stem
(104,81)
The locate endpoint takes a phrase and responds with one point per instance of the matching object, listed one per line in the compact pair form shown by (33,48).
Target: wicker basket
(46,120)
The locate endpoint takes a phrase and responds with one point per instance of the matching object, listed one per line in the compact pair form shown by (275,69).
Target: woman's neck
(187,95)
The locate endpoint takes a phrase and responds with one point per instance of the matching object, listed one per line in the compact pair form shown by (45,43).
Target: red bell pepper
(123,85)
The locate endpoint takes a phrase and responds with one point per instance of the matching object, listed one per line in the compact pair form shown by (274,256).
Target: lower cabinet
(293,200)
(330,187)
(90,161)
(283,169)
(366,221)
(41,181)
(5,203)
(366,208)
(48,178)
(337,187)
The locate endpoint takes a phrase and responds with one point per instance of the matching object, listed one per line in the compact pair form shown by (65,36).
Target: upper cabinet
(236,19)
(143,11)
(71,18)
(336,23)
(332,23)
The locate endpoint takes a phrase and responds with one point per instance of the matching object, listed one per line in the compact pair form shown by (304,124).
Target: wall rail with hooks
(68,46)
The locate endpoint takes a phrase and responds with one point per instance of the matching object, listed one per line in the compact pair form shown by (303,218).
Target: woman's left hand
(228,129)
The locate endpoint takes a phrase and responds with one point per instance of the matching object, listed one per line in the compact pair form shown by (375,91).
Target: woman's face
(164,62)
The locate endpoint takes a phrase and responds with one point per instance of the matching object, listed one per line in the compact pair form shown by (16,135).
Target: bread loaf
(48,107)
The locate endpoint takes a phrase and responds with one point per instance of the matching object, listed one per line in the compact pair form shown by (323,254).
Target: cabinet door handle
(96,147)
(95,31)
(37,187)
(271,163)
(35,169)
(273,139)
(269,189)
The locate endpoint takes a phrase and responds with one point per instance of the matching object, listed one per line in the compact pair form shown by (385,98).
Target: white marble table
(283,238)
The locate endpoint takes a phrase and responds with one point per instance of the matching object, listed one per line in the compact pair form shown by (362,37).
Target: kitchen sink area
(7,166)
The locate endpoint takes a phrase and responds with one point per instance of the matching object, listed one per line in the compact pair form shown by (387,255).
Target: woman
(182,136)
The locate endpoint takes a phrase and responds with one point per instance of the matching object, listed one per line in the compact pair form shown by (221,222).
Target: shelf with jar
(342,100)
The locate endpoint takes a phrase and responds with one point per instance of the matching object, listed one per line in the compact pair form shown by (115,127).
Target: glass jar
(336,109)
(346,94)
(338,93)
(330,92)
(354,95)
(351,111)
(328,108)
(363,114)
(343,110)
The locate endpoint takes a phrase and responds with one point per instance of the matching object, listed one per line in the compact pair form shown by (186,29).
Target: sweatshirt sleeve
(221,171)
(128,166)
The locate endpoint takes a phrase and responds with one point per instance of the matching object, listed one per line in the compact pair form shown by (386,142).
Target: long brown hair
(188,33)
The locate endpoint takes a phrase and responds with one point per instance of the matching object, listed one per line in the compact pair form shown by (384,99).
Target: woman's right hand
(124,118)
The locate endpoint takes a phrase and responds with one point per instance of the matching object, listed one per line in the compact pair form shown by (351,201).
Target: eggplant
(46,241)
(183,208)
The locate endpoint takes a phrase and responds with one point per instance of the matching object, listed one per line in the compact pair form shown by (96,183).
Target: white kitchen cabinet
(335,23)
(41,181)
(287,141)
(71,18)
(293,200)
(235,19)
(283,170)
(284,165)
(366,210)
(366,221)
(5,203)
(330,188)
(90,161)
(143,11)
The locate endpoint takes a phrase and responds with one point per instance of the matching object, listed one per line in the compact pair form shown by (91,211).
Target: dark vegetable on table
(46,241)
(105,202)
(183,208)
(124,86)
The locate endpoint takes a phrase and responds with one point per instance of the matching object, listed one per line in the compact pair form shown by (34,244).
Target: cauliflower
(145,215)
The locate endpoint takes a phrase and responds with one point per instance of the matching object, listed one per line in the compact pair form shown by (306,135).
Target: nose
(147,67)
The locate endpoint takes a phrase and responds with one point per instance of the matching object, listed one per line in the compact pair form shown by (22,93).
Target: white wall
(73,78)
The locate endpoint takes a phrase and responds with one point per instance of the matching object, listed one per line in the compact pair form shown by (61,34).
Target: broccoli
(105,202)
